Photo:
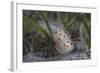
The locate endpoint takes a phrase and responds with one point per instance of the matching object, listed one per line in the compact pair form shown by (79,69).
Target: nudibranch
(63,41)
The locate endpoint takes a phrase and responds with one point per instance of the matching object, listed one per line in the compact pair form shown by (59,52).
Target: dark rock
(80,52)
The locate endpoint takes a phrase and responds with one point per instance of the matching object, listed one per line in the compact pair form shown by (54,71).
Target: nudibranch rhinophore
(63,41)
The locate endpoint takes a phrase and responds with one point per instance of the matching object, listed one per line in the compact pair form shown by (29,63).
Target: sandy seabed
(78,53)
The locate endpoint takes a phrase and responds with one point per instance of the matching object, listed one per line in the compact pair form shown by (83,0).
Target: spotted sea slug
(63,41)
